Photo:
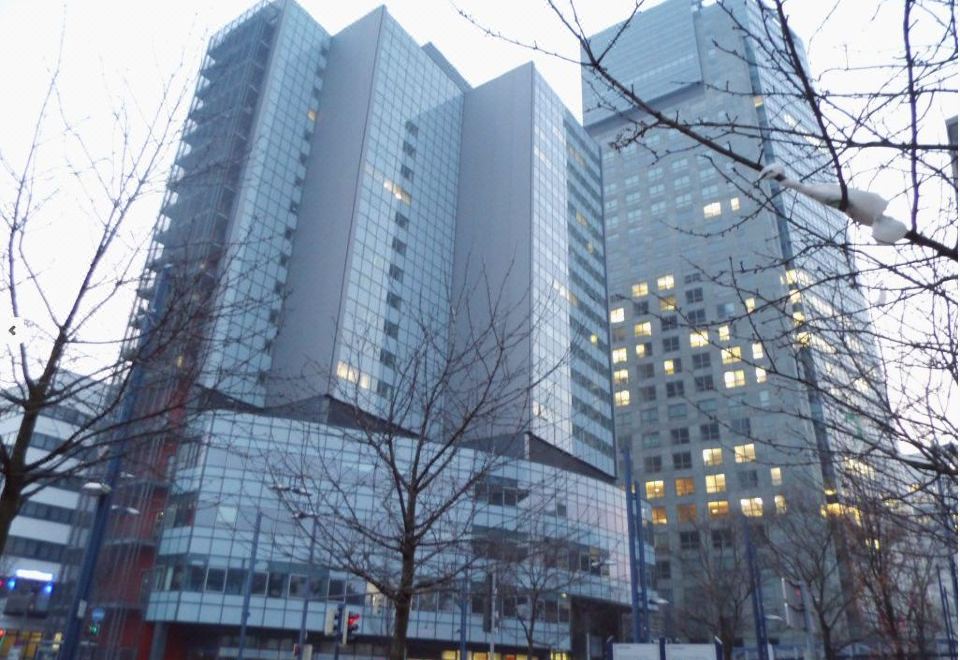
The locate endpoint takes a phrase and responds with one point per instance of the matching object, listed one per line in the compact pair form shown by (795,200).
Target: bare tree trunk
(11,498)
(404,600)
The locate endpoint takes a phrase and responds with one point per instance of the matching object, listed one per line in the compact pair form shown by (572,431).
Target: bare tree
(803,549)
(548,556)
(64,358)
(718,594)
(454,414)
(896,566)
(868,124)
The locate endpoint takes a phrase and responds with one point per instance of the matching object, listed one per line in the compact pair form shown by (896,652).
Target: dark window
(740,425)
(393,300)
(387,358)
(391,329)
(710,432)
(703,383)
(215,579)
(689,540)
(682,461)
(691,278)
(674,389)
(697,317)
(663,570)
(399,247)
(401,220)
(721,538)
(640,308)
(406,172)
(694,295)
(409,150)
(235,580)
(701,360)
(648,393)
(748,479)
(671,344)
(645,370)
(618,334)
(669,322)
(680,436)
(652,464)
(412,128)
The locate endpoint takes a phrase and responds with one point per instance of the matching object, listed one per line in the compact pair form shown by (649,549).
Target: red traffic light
(353,620)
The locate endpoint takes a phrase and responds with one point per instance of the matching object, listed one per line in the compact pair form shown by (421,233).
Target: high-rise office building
(341,186)
(713,434)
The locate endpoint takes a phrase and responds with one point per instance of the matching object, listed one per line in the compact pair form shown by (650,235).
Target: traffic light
(352,628)
(93,629)
(333,625)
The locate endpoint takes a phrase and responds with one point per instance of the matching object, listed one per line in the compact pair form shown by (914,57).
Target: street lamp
(302,638)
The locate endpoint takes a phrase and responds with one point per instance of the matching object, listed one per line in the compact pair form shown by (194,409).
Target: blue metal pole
(632,554)
(81,596)
(306,597)
(642,569)
(759,620)
(464,598)
(248,587)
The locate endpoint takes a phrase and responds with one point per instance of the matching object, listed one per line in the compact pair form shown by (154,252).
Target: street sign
(97,614)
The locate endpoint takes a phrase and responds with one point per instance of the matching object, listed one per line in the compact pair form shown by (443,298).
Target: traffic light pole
(306,596)
(248,586)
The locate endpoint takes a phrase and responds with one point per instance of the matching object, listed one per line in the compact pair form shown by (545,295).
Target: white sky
(121,50)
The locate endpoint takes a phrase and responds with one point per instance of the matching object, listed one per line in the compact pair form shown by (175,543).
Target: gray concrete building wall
(303,352)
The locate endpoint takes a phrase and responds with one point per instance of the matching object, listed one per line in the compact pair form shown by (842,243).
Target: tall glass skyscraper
(341,187)
(708,289)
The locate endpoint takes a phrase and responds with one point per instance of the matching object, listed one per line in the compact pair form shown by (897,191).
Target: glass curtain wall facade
(713,436)
(323,180)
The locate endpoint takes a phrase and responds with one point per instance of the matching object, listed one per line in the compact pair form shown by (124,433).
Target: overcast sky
(120,50)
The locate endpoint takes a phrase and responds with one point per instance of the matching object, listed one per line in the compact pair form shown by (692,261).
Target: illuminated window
(712,210)
(644,329)
(621,377)
(616,315)
(397,190)
(750,304)
(642,350)
(734,203)
(639,289)
(593,339)
(745,453)
(684,486)
(312,115)
(664,283)
(655,490)
(791,276)
(761,375)
(713,456)
(687,513)
(757,101)
(776,476)
(730,355)
(734,379)
(698,338)
(619,355)
(798,317)
(724,332)
(718,509)
(795,296)
(781,503)
(752,507)
(716,483)
(659,515)
(757,350)
(668,303)
(670,367)
(622,398)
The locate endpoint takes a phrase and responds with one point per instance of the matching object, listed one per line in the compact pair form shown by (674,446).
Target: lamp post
(638,582)
(756,594)
(248,586)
